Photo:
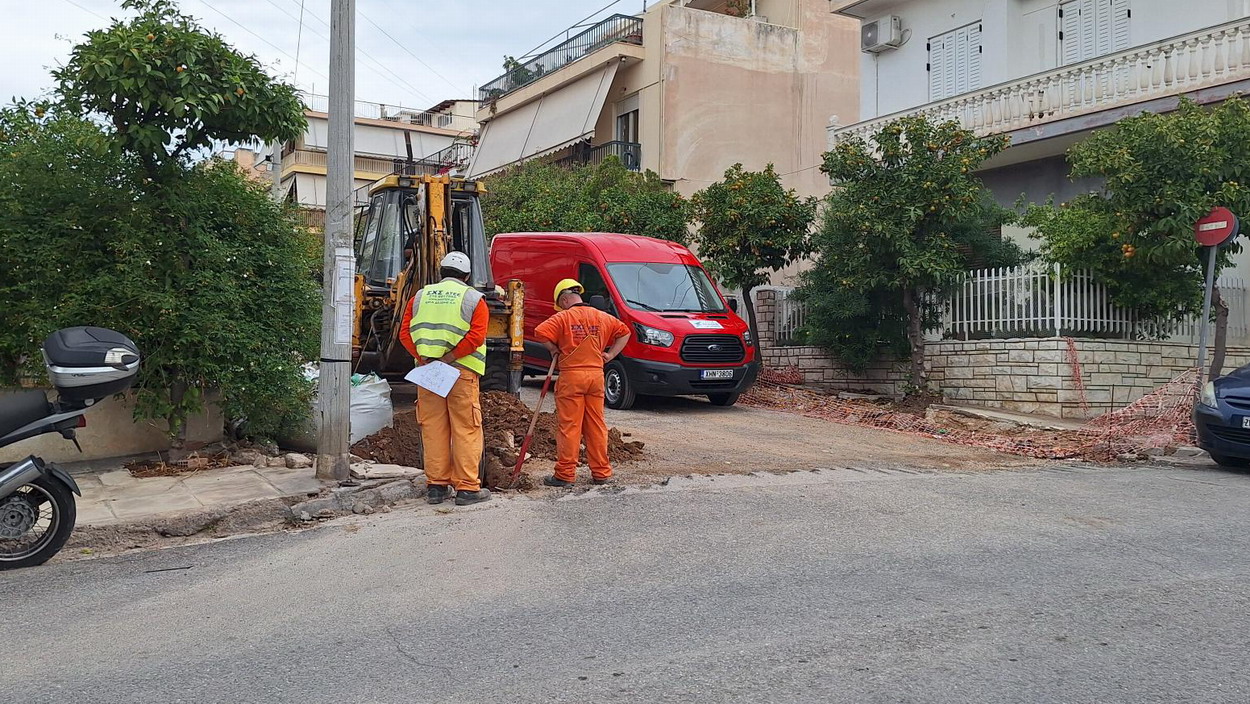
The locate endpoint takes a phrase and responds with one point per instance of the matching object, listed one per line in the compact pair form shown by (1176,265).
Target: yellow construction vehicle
(410,223)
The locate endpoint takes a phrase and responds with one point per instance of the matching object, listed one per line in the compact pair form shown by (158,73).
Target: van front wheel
(617,391)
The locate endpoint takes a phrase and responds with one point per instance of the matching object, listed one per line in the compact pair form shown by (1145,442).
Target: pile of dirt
(505,418)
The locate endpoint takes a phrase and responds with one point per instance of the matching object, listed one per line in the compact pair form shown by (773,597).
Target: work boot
(601,480)
(437,494)
(553,480)
(464,498)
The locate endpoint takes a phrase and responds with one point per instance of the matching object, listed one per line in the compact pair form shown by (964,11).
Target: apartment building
(386,138)
(686,89)
(1044,72)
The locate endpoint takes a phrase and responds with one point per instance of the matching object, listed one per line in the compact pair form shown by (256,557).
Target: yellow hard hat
(566,285)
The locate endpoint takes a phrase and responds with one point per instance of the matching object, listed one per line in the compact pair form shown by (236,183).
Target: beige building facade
(686,89)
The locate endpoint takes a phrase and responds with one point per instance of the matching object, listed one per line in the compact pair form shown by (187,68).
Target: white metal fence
(1037,300)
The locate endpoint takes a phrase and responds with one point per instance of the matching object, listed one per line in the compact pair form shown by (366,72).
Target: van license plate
(724,374)
(1245,421)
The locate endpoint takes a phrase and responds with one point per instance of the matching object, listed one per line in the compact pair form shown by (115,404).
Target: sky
(414,53)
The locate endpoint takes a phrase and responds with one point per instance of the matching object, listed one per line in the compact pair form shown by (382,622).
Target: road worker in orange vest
(447,322)
(580,334)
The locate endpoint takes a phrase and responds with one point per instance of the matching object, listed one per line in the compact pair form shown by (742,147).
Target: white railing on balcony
(1036,300)
(1209,57)
(375,111)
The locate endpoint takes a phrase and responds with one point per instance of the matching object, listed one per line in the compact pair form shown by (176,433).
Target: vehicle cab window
(589,277)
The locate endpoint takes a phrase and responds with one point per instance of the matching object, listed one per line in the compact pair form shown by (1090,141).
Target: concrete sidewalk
(114,496)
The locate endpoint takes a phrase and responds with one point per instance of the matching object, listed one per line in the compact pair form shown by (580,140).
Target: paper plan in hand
(435,376)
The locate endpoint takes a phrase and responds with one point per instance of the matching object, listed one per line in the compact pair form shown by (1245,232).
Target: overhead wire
(87,10)
(205,3)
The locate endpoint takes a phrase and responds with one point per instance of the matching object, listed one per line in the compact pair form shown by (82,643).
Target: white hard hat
(458,261)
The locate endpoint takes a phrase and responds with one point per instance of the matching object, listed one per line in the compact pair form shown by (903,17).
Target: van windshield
(666,288)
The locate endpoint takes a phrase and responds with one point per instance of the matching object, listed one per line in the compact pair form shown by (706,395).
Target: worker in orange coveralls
(579,334)
(447,322)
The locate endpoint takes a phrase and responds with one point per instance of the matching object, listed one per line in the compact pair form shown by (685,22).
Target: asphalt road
(1051,585)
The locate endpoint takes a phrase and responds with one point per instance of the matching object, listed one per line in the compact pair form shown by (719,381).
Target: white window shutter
(1070,32)
(937,65)
(1093,28)
(974,57)
(1120,14)
(955,62)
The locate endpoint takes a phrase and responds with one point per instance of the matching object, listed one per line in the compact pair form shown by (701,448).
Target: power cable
(408,51)
(86,10)
(205,3)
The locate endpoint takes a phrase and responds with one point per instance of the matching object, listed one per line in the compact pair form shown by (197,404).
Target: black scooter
(37,511)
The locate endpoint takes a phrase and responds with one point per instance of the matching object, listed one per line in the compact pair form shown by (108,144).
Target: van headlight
(746,336)
(1207,398)
(653,336)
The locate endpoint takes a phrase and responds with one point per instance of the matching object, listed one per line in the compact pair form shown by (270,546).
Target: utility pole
(337,315)
(275,168)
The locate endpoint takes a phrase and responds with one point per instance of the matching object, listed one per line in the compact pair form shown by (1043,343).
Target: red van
(686,340)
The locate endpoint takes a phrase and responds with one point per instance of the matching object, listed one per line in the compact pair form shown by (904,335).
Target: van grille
(712,349)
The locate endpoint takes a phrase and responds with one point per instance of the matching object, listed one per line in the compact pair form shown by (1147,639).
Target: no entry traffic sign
(1218,228)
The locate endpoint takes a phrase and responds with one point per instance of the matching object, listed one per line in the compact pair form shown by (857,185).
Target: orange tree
(1161,174)
(906,215)
(112,217)
(749,225)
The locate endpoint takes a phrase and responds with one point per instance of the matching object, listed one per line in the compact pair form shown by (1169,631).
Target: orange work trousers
(451,434)
(579,408)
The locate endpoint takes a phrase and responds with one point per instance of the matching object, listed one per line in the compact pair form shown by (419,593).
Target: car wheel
(723,399)
(618,393)
(1226,461)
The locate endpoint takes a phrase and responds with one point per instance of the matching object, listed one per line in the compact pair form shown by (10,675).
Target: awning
(565,116)
(376,141)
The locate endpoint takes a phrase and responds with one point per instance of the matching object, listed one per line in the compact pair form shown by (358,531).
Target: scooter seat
(17,410)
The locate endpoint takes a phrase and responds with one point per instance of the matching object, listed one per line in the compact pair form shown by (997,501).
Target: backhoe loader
(410,223)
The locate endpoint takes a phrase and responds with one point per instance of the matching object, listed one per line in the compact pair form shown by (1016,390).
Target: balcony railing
(1206,58)
(364,164)
(617,28)
(377,111)
(630,154)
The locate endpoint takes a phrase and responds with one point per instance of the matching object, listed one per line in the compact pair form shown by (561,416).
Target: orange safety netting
(1160,419)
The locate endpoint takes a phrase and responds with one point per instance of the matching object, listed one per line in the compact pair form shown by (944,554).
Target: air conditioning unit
(881,34)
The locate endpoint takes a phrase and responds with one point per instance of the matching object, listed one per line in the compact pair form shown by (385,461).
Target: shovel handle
(529,435)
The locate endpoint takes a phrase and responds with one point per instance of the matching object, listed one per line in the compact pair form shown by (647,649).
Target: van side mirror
(733,305)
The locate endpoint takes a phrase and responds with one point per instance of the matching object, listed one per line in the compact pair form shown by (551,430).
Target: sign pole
(1205,330)
(1216,229)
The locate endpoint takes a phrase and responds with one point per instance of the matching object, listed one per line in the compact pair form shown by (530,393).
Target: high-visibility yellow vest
(441,316)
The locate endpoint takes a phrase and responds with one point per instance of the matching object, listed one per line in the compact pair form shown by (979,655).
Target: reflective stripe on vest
(442,315)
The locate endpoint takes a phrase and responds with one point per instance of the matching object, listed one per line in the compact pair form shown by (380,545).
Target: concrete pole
(337,314)
(275,164)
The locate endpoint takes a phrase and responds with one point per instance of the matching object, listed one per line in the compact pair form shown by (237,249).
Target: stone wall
(1023,375)
(1037,376)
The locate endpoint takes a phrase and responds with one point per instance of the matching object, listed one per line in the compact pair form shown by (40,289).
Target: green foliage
(542,197)
(750,225)
(224,302)
(1162,173)
(906,219)
(168,87)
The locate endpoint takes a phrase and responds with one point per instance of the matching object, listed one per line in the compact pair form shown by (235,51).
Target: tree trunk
(750,305)
(1219,345)
(177,420)
(915,336)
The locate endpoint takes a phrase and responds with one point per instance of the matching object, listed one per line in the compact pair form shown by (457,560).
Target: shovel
(529,435)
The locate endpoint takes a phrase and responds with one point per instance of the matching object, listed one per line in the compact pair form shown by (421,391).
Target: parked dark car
(1222,416)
